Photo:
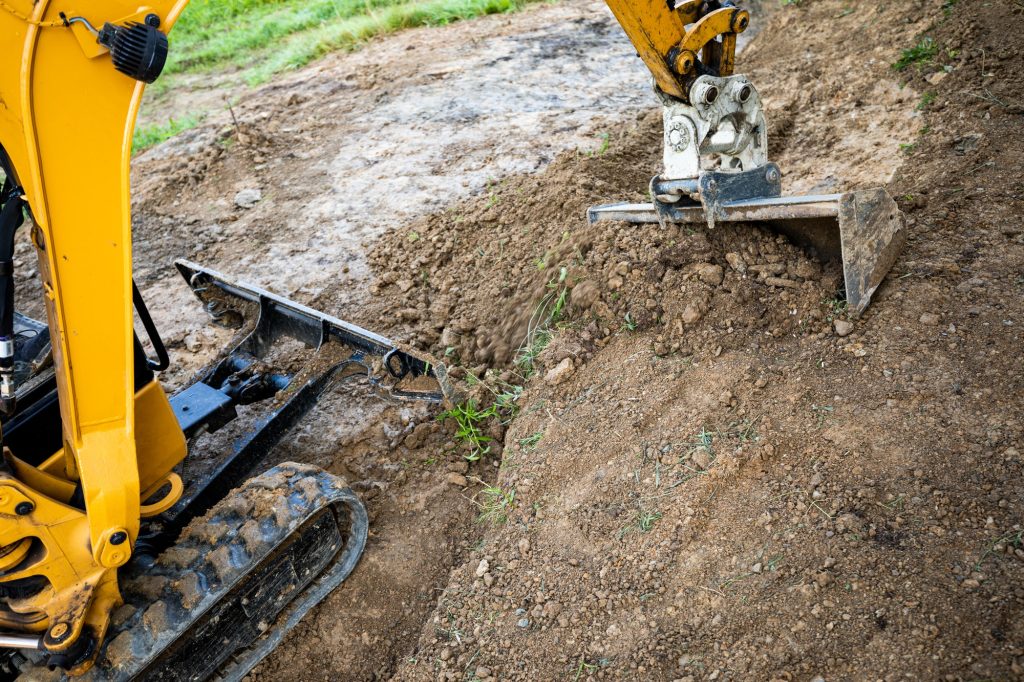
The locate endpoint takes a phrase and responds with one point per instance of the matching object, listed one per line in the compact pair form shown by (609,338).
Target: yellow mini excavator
(118,563)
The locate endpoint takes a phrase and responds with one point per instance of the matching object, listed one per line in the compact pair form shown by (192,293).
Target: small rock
(692,314)
(736,262)
(483,672)
(524,546)
(192,343)
(584,295)
(757,568)
(711,274)
(781,282)
(449,337)
(457,479)
(460,467)
(701,457)
(247,198)
(482,568)
(930,319)
(824,579)
(523,623)
(843,328)
(559,372)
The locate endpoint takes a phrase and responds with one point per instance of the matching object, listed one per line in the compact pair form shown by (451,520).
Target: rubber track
(213,555)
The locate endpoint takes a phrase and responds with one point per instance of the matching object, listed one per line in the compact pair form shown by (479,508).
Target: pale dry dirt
(704,480)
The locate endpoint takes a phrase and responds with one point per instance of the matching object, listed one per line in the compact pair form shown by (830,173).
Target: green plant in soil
(921,53)
(548,313)
(471,421)
(495,505)
(152,135)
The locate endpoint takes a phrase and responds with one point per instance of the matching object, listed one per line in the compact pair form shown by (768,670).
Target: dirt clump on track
(714,474)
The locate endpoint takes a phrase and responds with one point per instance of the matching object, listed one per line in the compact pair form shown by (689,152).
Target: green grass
(471,421)
(495,505)
(530,442)
(643,522)
(540,331)
(921,53)
(264,37)
(152,135)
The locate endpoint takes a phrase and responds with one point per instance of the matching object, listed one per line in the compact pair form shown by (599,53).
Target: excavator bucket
(863,229)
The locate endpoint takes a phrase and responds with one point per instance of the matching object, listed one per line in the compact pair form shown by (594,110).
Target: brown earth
(720,485)
(703,479)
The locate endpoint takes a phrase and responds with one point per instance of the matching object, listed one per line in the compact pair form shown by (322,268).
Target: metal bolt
(118,538)
(59,631)
(153,20)
(772,175)
(24,508)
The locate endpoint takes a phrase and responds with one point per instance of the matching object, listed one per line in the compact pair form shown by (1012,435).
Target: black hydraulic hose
(163,361)
(12,215)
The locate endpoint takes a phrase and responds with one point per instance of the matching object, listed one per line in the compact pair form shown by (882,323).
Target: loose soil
(704,479)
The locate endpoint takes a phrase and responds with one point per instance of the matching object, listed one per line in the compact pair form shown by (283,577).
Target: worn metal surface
(873,233)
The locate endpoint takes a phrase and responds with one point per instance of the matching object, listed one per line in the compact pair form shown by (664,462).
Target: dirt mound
(468,282)
(526,254)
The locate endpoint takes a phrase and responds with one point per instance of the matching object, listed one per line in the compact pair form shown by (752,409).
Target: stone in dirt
(736,262)
(843,328)
(930,319)
(584,295)
(247,198)
(701,457)
(482,568)
(692,314)
(710,274)
(457,479)
(560,372)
